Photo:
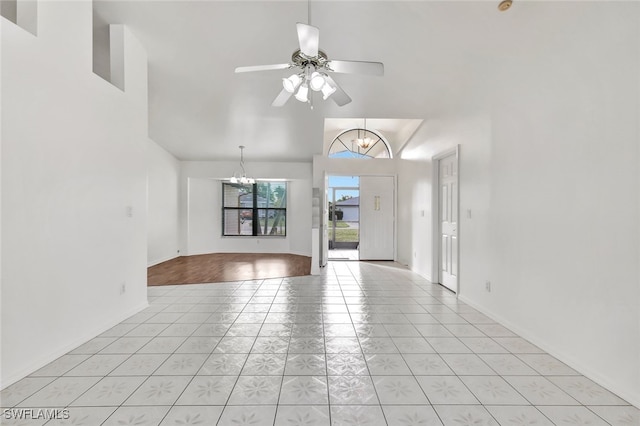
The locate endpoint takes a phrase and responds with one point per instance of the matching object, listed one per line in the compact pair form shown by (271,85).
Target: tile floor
(364,344)
(338,255)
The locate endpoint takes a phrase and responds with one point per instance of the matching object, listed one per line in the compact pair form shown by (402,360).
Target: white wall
(414,216)
(350,167)
(73,167)
(201,222)
(163,174)
(550,172)
(2,24)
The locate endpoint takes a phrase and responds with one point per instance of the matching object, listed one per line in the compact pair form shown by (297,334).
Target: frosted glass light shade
(291,83)
(327,90)
(317,81)
(303,93)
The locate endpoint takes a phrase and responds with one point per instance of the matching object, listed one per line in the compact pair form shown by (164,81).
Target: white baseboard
(423,275)
(299,253)
(156,262)
(585,370)
(57,353)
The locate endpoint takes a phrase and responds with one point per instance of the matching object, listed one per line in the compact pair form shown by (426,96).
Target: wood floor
(217,267)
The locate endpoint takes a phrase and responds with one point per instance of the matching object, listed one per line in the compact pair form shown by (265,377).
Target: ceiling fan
(313,67)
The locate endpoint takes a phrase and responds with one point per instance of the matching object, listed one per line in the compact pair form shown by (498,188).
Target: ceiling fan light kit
(314,66)
(317,81)
(328,90)
(290,84)
(303,93)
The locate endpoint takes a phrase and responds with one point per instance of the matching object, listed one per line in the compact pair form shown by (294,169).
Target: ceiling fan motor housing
(301,60)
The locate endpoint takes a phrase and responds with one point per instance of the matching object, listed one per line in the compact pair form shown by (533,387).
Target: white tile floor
(337,255)
(364,344)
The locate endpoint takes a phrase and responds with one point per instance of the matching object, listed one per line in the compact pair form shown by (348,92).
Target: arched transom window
(359,143)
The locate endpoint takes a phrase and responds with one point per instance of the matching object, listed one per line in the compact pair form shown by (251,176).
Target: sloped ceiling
(436,56)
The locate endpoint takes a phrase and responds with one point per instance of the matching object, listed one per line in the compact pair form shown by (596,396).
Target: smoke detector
(505,5)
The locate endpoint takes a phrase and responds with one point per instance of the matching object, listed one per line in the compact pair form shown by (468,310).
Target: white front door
(448,180)
(377,208)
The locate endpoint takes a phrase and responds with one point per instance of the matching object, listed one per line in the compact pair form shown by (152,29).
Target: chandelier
(365,141)
(241,177)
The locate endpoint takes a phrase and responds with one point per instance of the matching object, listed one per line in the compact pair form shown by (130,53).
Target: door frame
(324,218)
(435,208)
(332,198)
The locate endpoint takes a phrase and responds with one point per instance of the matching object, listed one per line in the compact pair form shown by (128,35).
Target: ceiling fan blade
(281,99)
(263,68)
(357,67)
(340,97)
(309,38)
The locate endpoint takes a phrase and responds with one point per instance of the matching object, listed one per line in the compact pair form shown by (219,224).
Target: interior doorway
(446,178)
(344,218)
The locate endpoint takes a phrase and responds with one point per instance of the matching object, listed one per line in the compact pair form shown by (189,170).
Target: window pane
(237,195)
(358,143)
(272,222)
(262,204)
(272,194)
(238,222)
(280,194)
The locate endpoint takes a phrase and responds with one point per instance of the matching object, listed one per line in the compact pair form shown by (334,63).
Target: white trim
(395,218)
(333,197)
(628,395)
(435,221)
(324,220)
(435,207)
(51,356)
(161,260)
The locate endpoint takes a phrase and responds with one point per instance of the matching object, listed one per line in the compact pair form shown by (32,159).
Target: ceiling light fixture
(314,80)
(364,142)
(241,177)
(310,79)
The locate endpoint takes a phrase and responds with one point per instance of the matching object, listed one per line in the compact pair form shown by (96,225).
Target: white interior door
(377,215)
(448,180)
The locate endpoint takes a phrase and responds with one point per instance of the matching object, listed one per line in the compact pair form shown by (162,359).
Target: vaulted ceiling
(436,56)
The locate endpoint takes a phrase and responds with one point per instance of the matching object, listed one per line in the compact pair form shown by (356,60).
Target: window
(359,143)
(258,209)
